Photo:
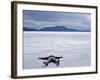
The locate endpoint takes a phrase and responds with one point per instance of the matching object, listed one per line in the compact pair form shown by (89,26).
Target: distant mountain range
(56,28)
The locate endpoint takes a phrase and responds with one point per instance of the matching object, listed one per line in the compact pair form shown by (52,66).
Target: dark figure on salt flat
(51,59)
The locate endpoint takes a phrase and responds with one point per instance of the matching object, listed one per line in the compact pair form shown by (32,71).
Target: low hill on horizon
(55,28)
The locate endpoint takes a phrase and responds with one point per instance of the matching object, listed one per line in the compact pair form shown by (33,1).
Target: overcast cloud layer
(41,19)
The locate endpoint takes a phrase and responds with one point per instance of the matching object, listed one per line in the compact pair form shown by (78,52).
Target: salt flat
(75,47)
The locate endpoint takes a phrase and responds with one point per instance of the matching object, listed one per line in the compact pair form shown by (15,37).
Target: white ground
(75,47)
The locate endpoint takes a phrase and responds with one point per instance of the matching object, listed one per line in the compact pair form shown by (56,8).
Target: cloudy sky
(41,19)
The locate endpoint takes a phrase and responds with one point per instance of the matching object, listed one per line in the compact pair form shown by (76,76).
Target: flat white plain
(75,47)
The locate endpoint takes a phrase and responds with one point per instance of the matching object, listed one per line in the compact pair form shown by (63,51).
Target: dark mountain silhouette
(56,28)
(29,29)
